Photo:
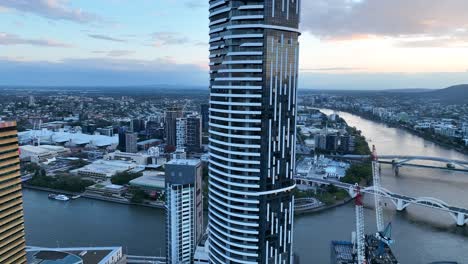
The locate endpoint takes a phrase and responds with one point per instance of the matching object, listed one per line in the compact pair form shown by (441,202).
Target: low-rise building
(42,153)
(103,169)
(107,190)
(137,158)
(84,255)
(152,182)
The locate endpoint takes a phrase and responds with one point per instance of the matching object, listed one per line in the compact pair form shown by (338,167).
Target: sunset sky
(346,44)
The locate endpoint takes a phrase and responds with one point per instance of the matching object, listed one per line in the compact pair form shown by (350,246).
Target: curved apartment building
(254,52)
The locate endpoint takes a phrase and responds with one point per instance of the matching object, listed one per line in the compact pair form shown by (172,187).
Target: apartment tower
(184,212)
(12,243)
(254,52)
(171,116)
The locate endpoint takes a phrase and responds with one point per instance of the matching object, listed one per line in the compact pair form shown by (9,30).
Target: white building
(184,205)
(104,169)
(446,130)
(45,136)
(41,153)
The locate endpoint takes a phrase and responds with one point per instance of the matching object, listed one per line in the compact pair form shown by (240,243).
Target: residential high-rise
(188,133)
(194,133)
(171,119)
(12,242)
(205,116)
(131,140)
(184,209)
(122,139)
(181,133)
(254,52)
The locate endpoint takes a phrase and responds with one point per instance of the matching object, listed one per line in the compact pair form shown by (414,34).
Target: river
(422,235)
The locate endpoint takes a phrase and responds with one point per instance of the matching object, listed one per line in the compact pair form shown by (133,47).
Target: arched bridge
(404,160)
(401,202)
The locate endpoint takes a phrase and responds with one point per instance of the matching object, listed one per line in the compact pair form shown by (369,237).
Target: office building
(171,123)
(12,242)
(131,140)
(253,81)
(184,215)
(181,133)
(122,139)
(194,134)
(205,116)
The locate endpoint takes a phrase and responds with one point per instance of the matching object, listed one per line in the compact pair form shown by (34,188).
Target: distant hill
(457,94)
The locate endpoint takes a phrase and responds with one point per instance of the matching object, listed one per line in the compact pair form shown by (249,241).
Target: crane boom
(376,181)
(360,236)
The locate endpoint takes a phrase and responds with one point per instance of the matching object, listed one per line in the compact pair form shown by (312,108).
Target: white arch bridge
(399,160)
(401,202)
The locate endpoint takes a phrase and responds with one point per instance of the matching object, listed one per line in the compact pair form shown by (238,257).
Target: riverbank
(410,130)
(324,208)
(91,196)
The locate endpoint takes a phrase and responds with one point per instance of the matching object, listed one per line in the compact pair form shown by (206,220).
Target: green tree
(125,177)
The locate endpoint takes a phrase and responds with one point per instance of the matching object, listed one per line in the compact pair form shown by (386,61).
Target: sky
(345,44)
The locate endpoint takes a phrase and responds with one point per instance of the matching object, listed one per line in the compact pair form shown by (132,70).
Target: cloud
(12,39)
(169,38)
(332,69)
(115,53)
(52,9)
(195,4)
(395,18)
(101,72)
(105,37)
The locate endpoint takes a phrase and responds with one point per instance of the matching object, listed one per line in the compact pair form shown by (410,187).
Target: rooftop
(64,137)
(86,255)
(153,180)
(190,162)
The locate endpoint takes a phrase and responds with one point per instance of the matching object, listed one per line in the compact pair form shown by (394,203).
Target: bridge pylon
(462,219)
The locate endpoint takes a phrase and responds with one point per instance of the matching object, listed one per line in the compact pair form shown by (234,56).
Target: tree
(138,196)
(125,177)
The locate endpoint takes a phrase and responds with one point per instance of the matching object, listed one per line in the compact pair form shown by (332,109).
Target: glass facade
(253,82)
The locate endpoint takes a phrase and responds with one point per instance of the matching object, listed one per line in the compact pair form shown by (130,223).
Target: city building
(103,169)
(171,122)
(188,133)
(332,142)
(131,140)
(12,241)
(85,255)
(184,205)
(106,131)
(254,52)
(181,133)
(68,139)
(122,139)
(194,134)
(137,158)
(205,116)
(41,153)
(147,144)
(152,183)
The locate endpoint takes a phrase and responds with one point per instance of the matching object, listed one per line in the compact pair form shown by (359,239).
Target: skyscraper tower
(172,114)
(12,243)
(253,83)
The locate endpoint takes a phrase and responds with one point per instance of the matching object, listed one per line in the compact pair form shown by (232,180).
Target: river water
(422,235)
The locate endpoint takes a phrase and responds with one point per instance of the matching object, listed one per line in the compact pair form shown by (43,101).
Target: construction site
(366,248)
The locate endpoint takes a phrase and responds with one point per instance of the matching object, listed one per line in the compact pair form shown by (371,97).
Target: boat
(75,197)
(451,166)
(59,197)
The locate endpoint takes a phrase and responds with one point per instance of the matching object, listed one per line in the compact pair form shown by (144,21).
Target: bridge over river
(401,202)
